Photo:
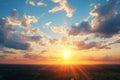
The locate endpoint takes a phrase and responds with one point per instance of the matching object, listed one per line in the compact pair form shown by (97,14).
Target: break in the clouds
(63,5)
(11,38)
(106,21)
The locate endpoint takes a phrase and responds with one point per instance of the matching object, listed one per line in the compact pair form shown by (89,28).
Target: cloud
(115,42)
(43,51)
(59,29)
(107,19)
(53,41)
(63,5)
(12,38)
(2,56)
(110,58)
(31,2)
(35,3)
(104,58)
(81,45)
(78,29)
(16,45)
(8,52)
(6,31)
(41,4)
(48,24)
(31,56)
(34,56)
(27,20)
(105,22)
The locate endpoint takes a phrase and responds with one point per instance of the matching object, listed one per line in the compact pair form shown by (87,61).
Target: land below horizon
(59,72)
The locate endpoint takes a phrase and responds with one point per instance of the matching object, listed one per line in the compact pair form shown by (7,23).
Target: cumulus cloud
(105,22)
(79,29)
(6,31)
(12,38)
(63,5)
(35,3)
(107,18)
(28,19)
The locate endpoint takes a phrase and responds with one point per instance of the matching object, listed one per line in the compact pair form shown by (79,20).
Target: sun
(66,54)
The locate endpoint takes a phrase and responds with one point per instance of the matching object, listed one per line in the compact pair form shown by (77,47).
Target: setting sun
(66,54)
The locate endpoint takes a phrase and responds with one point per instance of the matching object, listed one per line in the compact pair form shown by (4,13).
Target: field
(59,72)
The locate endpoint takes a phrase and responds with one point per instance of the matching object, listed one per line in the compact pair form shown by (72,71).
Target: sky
(41,31)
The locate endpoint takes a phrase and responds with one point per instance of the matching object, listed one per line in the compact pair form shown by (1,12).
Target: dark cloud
(34,56)
(106,21)
(9,52)
(2,56)
(6,32)
(82,28)
(17,45)
(34,38)
(31,56)
(115,42)
(109,27)
(81,45)
(53,41)
(21,39)
(43,51)
(10,37)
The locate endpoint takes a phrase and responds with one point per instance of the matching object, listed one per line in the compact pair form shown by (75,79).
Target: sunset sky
(59,31)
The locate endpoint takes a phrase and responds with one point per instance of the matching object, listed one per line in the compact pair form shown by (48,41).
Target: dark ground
(59,72)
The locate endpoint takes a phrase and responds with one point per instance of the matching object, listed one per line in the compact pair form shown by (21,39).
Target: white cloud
(35,3)
(59,29)
(48,24)
(31,2)
(63,6)
(41,4)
